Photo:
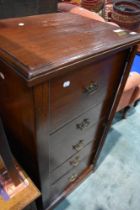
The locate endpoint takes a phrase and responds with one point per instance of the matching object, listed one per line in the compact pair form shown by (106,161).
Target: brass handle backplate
(75,162)
(91,88)
(79,146)
(2,75)
(84,124)
(72,178)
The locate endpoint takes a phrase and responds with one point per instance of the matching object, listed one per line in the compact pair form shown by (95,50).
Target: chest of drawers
(61,77)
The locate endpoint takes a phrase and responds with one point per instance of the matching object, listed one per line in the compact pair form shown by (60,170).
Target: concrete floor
(116,183)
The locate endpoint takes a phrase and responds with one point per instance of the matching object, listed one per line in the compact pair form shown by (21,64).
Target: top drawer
(75,92)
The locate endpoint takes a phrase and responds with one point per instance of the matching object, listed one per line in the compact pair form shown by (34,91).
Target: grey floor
(116,183)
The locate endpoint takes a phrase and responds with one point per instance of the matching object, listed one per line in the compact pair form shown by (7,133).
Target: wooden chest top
(43,45)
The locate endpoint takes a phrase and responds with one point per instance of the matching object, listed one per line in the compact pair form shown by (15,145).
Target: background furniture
(27,195)
(7,157)
(20,8)
(61,79)
(126,13)
(137,95)
(130,93)
(93,5)
(67,7)
(23,198)
(136,68)
(74,9)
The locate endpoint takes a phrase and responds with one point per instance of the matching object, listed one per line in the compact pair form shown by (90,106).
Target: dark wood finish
(72,163)
(62,107)
(61,77)
(21,8)
(44,46)
(66,180)
(68,138)
(71,186)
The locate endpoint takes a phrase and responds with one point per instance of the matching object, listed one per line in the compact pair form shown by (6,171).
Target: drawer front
(72,163)
(76,92)
(73,137)
(58,187)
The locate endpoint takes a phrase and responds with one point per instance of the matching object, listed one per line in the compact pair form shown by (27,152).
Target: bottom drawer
(58,187)
(81,157)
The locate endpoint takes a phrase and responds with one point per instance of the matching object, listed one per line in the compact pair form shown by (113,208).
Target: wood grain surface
(38,55)
(45,44)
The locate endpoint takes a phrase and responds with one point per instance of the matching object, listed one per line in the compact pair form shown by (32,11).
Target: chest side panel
(17,111)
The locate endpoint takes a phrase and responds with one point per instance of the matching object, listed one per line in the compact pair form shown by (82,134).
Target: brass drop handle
(79,146)
(91,88)
(84,124)
(72,178)
(2,76)
(75,162)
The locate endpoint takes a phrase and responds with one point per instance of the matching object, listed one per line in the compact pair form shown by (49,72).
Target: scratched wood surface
(39,44)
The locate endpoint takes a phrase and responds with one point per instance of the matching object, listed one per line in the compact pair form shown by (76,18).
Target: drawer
(58,187)
(76,92)
(73,162)
(73,137)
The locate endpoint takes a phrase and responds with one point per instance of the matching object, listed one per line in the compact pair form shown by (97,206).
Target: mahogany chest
(61,78)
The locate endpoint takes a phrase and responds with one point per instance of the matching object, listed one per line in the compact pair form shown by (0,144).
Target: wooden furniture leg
(136,102)
(124,112)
